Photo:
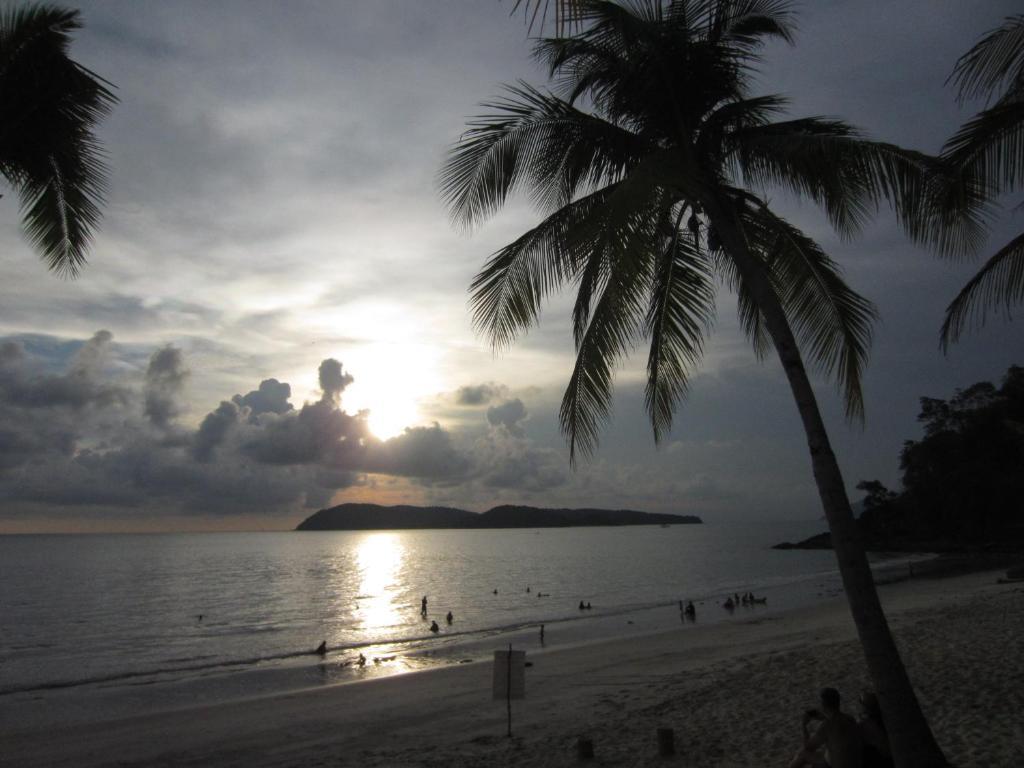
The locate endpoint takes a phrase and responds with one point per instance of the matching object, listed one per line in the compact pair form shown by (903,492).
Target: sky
(274,317)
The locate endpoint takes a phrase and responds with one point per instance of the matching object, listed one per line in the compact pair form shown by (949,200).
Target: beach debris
(666,742)
(584,748)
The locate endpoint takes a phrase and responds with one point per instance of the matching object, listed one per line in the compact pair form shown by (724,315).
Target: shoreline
(640,683)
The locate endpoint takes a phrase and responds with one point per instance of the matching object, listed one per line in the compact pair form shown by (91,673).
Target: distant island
(363,517)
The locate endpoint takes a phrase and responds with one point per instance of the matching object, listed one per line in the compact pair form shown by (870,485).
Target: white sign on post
(509,675)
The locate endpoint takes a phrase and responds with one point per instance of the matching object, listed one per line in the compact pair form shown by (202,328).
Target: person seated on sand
(434,627)
(877,753)
(449,618)
(838,734)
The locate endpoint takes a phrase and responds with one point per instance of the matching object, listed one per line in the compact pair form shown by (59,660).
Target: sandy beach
(732,692)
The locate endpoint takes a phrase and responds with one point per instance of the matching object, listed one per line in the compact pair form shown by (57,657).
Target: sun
(389,418)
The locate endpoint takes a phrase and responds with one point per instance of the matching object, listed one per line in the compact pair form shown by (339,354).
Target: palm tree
(988,152)
(48,151)
(563,12)
(650,160)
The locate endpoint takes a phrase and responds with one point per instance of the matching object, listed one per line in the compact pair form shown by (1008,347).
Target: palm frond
(995,62)
(679,316)
(615,325)
(48,150)
(831,320)
(998,284)
(536,140)
(507,293)
(991,147)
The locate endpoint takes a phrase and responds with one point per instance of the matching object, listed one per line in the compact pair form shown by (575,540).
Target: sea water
(100,626)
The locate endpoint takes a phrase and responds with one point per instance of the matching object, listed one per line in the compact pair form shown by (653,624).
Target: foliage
(986,160)
(48,150)
(962,481)
(650,127)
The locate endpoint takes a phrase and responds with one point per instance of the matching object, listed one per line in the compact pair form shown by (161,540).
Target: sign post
(509,678)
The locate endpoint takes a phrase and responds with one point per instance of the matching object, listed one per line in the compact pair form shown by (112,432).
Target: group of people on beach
(748,598)
(840,741)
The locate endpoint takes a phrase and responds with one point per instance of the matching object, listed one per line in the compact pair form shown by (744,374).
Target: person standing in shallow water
(423,607)
(449,618)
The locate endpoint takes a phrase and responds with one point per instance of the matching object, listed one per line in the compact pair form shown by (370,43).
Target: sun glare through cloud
(390,380)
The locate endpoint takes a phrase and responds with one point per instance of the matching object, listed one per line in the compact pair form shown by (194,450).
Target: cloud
(428,453)
(214,428)
(165,381)
(478,394)
(510,415)
(271,397)
(332,380)
(23,384)
(67,441)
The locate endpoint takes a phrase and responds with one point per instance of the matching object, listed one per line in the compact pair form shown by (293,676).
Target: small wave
(144,673)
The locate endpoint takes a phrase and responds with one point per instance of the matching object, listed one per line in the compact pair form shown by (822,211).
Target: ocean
(102,626)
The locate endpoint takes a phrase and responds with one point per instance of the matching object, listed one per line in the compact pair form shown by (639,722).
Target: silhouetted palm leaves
(48,151)
(650,118)
(987,155)
(649,161)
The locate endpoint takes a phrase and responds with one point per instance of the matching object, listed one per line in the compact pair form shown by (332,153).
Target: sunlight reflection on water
(379,557)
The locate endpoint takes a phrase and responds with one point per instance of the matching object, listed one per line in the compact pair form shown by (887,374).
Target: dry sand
(732,692)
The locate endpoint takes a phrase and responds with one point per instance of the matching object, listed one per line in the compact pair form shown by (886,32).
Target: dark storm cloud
(332,380)
(422,452)
(510,415)
(214,429)
(271,397)
(478,394)
(251,454)
(21,384)
(165,381)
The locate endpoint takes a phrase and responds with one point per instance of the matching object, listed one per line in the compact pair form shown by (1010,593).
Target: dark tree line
(963,481)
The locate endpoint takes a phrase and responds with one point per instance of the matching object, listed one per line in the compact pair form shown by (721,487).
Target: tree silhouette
(987,158)
(48,150)
(650,161)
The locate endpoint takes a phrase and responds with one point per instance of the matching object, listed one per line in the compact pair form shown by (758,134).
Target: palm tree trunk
(911,739)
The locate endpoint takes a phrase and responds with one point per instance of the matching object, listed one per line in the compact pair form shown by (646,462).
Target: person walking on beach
(839,736)
(423,607)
